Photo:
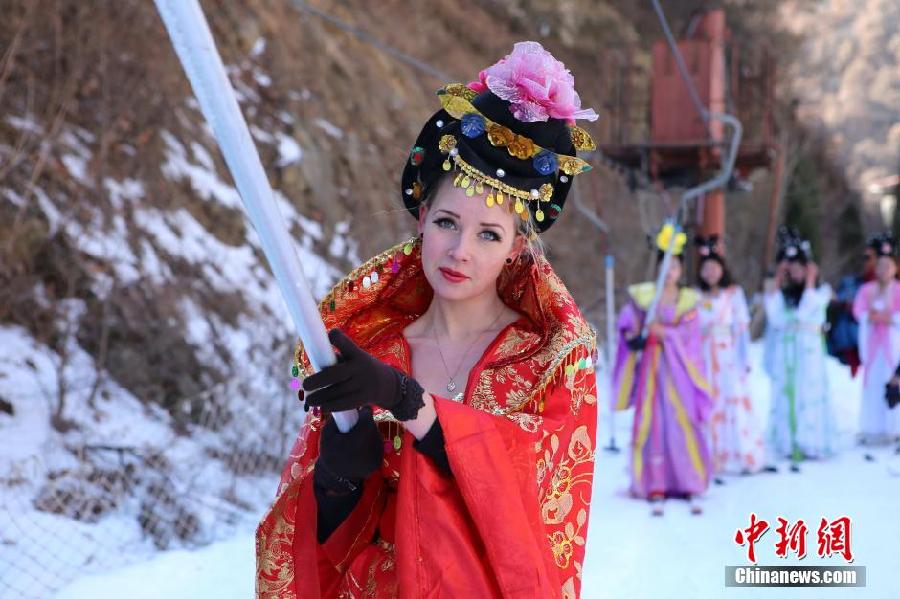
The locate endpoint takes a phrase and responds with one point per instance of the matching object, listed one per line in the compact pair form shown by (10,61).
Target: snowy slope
(130,468)
(68,506)
(630,554)
(121,476)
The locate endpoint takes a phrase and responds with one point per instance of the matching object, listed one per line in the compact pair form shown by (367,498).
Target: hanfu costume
(801,420)
(735,438)
(499,505)
(664,383)
(879,348)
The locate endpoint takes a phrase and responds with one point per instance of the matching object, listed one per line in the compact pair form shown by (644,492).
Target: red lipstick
(453,276)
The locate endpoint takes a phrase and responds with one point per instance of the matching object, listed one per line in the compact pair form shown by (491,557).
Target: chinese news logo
(833,538)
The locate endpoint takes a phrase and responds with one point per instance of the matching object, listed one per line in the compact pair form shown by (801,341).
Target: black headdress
(883,244)
(495,136)
(792,246)
(708,247)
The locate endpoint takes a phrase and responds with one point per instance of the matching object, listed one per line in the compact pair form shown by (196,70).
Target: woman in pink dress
(736,443)
(877,308)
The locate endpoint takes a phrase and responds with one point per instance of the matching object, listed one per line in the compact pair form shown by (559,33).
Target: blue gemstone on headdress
(545,162)
(472,125)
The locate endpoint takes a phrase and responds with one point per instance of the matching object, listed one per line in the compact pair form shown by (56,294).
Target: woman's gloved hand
(347,459)
(359,379)
(636,343)
(892,393)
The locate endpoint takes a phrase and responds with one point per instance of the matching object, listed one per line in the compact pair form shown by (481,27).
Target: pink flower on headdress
(537,85)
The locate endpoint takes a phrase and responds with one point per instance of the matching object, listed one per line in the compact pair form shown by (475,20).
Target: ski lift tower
(683,148)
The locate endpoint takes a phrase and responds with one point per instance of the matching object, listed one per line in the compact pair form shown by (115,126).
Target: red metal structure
(682,147)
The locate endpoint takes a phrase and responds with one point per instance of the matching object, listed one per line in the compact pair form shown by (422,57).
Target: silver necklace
(451,384)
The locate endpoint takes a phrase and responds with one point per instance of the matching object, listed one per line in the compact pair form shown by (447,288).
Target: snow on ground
(220,570)
(629,553)
(49,482)
(40,545)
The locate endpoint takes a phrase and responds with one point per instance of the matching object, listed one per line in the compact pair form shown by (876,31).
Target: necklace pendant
(451,386)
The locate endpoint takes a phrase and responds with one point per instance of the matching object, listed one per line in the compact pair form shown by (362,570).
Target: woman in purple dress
(661,377)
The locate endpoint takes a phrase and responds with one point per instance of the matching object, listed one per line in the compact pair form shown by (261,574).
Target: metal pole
(611,345)
(719,180)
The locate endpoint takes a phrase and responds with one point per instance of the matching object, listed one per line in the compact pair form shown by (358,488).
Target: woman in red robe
(469,473)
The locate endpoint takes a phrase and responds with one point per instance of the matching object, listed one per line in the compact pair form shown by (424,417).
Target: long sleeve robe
(801,420)
(511,518)
(736,442)
(879,352)
(665,385)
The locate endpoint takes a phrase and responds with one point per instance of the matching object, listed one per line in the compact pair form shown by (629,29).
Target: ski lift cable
(372,41)
(682,67)
(720,180)
(433,71)
(587,212)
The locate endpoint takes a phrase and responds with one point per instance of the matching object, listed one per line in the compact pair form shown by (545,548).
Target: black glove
(359,379)
(892,395)
(636,343)
(434,446)
(347,459)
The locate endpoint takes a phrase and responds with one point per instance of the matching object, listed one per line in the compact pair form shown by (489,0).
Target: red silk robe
(511,520)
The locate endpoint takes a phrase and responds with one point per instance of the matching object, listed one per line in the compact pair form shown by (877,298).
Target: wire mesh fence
(89,505)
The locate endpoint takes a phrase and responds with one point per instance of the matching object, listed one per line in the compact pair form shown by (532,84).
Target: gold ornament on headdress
(581,139)
(522,148)
(474,181)
(470,177)
(499,135)
(664,237)
(571,166)
(546,192)
(456,99)
(460,90)
(446,143)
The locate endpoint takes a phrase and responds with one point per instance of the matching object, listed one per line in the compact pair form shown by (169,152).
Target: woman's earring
(509,260)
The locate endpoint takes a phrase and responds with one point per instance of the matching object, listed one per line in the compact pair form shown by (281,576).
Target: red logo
(833,537)
(791,539)
(752,534)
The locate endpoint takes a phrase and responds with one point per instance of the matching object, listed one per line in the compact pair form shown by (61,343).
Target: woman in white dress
(801,422)
(735,438)
(877,309)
